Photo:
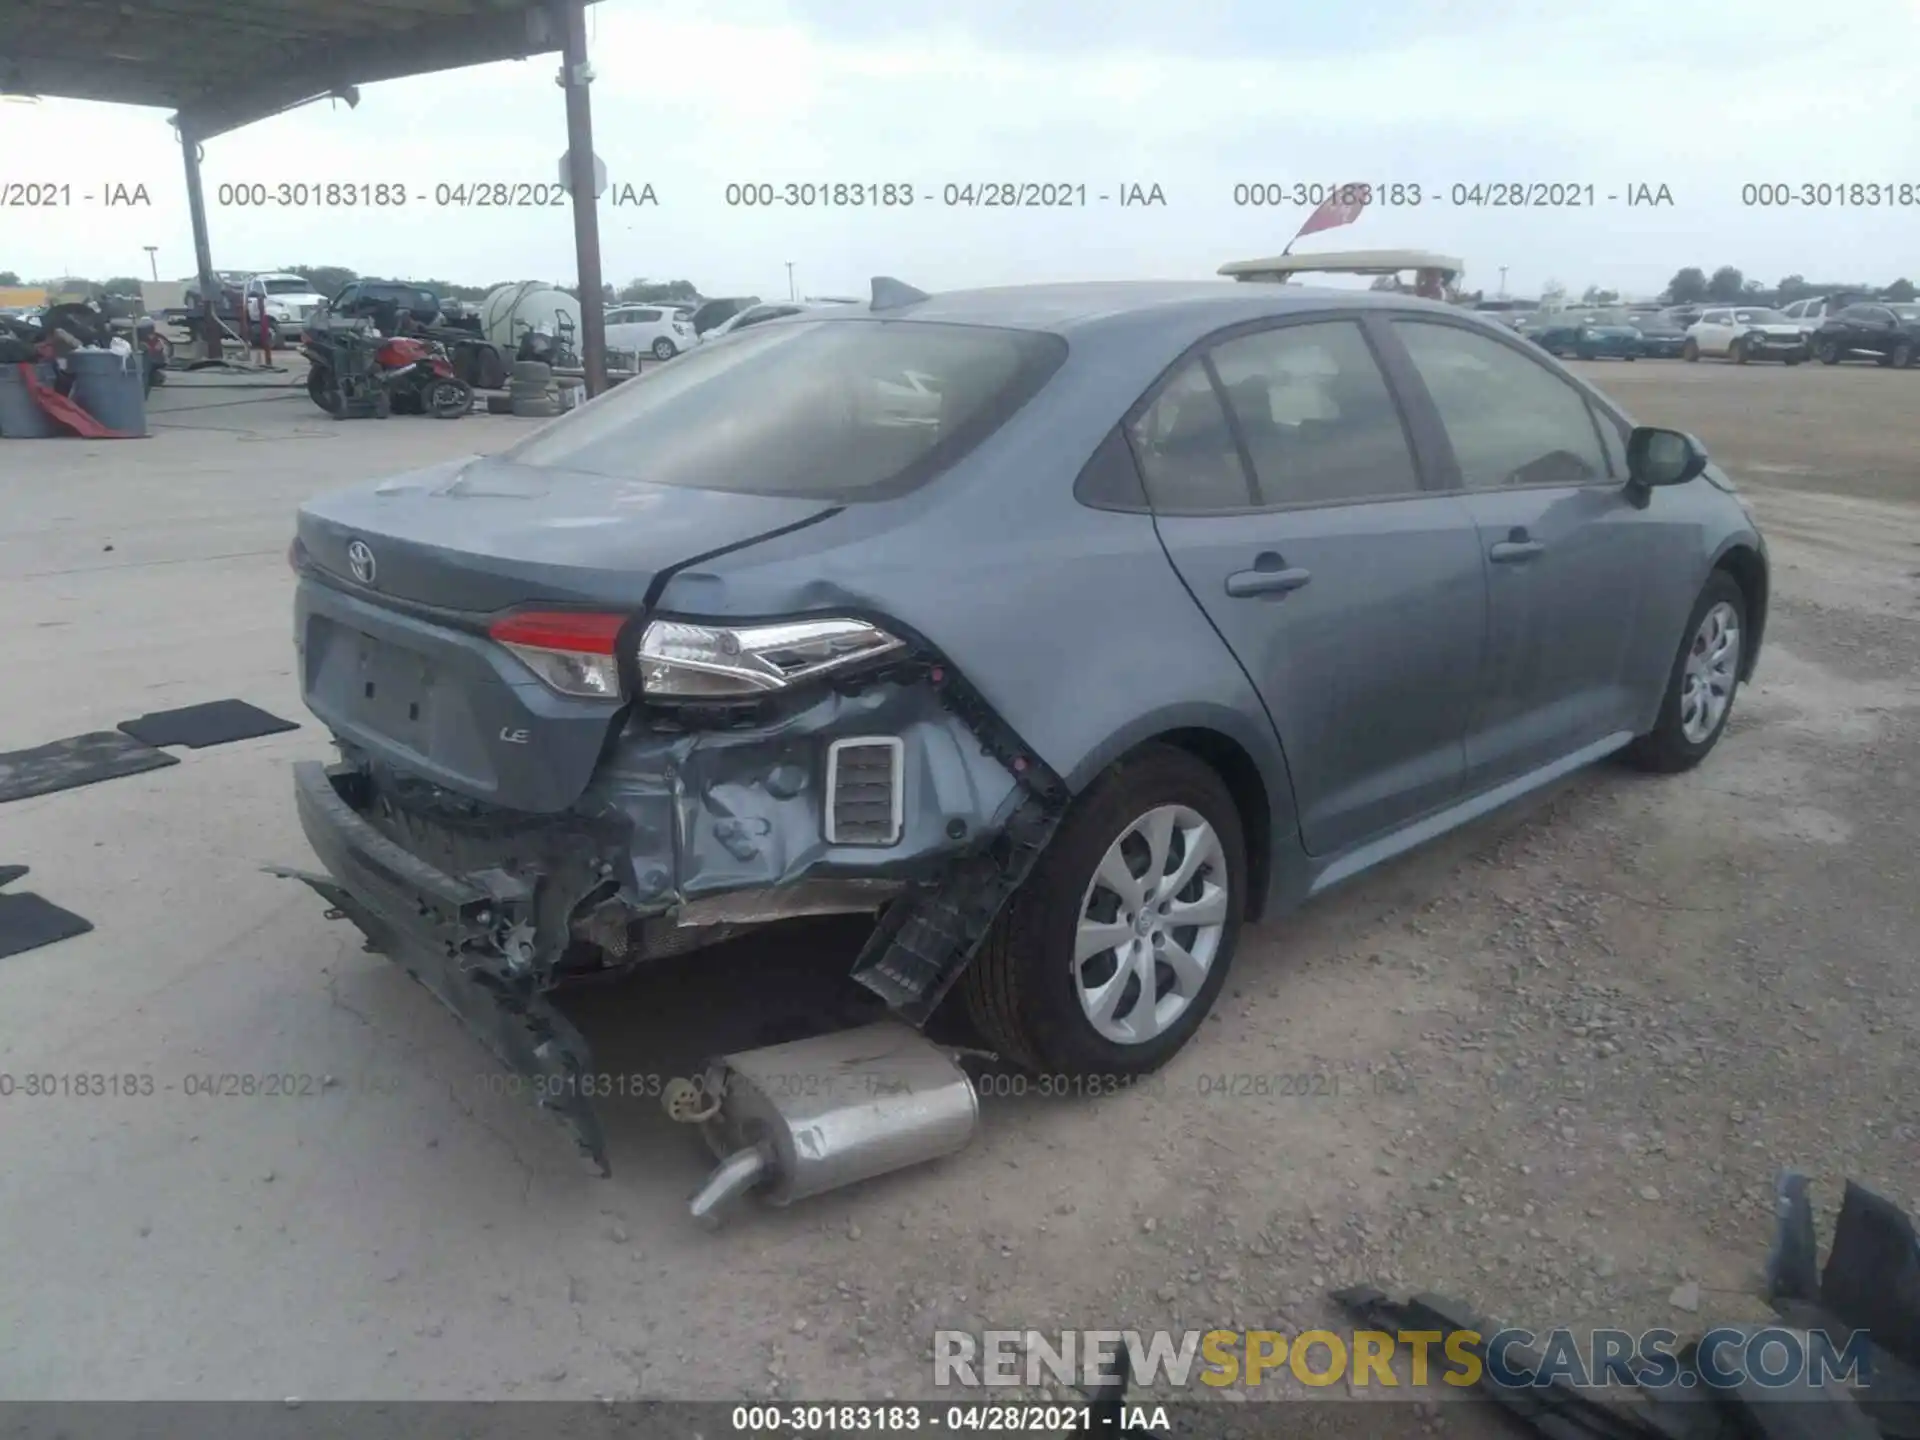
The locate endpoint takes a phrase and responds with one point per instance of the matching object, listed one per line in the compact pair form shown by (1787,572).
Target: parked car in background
(709,315)
(656,330)
(385,301)
(766,651)
(1886,330)
(1745,332)
(1660,337)
(1810,313)
(1588,335)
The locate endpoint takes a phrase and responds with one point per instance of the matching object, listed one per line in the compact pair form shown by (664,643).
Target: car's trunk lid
(483,535)
(392,630)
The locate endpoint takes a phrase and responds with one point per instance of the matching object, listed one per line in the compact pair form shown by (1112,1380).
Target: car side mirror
(1662,457)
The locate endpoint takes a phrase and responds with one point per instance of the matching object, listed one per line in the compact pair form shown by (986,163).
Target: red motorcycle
(349,373)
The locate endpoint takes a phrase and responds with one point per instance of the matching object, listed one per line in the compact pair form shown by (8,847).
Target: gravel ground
(1551,1063)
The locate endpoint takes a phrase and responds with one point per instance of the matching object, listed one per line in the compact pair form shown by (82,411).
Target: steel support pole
(209,322)
(575,77)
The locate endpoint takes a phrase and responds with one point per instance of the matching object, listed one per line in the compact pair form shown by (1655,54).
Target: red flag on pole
(1343,207)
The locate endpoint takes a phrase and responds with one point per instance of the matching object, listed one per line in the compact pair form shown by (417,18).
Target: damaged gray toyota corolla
(1066,628)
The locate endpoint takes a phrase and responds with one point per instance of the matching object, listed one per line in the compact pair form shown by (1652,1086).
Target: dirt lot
(1551,1063)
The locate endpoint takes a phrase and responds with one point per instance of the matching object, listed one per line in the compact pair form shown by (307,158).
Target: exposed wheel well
(1235,766)
(1749,572)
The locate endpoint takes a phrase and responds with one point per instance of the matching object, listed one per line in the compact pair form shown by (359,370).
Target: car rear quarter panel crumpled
(714,811)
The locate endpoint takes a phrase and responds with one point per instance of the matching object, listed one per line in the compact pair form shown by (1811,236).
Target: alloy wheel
(1707,679)
(1151,924)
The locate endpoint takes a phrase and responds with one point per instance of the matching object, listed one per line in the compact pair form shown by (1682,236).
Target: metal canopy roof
(221,64)
(1355,262)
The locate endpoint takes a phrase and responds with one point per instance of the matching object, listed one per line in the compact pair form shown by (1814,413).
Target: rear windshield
(838,410)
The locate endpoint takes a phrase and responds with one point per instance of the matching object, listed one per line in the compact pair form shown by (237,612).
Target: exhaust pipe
(796,1120)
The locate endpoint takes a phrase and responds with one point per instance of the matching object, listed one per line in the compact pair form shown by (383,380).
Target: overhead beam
(321,66)
(220,64)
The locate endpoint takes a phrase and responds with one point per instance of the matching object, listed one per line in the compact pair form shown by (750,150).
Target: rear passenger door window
(1319,424)
(1511,421)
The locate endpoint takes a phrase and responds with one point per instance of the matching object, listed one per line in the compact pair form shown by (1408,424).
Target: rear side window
(1319,423)
(645,317)
(835,410)
(1511,420)
(1186,451)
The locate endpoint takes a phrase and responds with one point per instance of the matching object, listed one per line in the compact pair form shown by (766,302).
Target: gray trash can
(20,417)
(111,388)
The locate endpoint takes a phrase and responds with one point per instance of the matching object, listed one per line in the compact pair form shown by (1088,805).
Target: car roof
(1171,306)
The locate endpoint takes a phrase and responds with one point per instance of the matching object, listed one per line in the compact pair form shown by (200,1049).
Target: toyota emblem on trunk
(360,561)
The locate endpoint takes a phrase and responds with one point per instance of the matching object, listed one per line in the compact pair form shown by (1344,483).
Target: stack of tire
(530,392)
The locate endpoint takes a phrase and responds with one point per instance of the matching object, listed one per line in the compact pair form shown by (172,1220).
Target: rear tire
(663,349)
(1827,352)
(323,388)
(1024,991)
(1902,355)
(1690,351)
(448,399)
(1678,741)
(1738,352)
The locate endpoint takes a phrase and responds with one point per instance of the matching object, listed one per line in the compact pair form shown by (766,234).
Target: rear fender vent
(865,800)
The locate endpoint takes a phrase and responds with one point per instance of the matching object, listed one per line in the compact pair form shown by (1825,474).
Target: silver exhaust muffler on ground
(795,1120)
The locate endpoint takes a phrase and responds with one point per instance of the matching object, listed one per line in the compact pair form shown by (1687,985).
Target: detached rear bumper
(467,940)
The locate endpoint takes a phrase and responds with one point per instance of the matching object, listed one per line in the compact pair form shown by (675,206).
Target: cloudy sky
(1196,97)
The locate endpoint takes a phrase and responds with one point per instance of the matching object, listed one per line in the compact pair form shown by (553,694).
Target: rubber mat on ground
(27,921)
(218,722)
(77,760)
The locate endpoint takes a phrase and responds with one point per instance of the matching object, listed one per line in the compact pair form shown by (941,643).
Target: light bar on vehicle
(684,661)
(572,651)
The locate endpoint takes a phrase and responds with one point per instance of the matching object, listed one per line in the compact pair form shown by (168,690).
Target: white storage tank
(510,312)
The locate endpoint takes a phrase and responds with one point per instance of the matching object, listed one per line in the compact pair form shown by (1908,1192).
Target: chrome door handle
(1270,576)
(1518,546)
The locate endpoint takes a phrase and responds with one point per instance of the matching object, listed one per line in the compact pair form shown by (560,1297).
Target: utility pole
(575,76)
(1503,282)
(153,252)
(792,294)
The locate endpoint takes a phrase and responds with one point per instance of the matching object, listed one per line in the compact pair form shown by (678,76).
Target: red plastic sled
(65,412)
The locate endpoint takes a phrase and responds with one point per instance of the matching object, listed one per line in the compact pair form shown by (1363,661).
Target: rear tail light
(681,660)
(572,651)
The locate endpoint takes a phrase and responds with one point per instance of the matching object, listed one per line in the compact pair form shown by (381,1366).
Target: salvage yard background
(1552,1063)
